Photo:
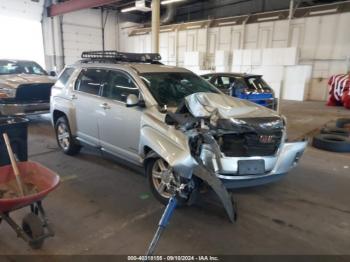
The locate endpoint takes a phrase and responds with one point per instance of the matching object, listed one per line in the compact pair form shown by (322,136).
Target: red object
(339,86)
(44,179)
(76,5)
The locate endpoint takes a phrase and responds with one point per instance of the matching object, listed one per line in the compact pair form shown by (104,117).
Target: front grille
(250,144)
(34,92)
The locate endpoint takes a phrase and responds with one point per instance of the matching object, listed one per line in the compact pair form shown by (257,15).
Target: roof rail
(115,56)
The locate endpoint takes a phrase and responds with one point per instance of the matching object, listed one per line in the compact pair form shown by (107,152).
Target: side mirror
(133,100)
(52,73)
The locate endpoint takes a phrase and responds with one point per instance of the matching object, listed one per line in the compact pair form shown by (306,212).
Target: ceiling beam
(75,5)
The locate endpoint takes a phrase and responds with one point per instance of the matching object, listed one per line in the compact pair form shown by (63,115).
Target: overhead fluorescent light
(129,9)
(228,23)
(141,33)
(320,12)
(168,2)
(268,18)
(166,30)
(140,5)
(193,27)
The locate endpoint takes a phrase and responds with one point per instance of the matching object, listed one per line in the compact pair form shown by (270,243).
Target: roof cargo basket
(115,56)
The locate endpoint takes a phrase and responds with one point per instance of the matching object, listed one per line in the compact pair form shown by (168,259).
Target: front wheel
(64,137)
(161,178)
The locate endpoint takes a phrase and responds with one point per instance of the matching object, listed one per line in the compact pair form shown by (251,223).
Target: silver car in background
(171,121)
(25,88)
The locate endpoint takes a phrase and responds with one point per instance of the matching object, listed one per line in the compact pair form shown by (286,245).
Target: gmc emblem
(264,139)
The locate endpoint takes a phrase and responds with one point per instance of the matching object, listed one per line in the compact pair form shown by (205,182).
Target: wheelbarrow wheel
(32,226)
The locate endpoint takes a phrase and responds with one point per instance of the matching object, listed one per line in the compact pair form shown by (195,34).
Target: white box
(222,58)
(194,59)
(296,82)
(280,56)
(276,86)
(270,73)
(222,69)
(237,57)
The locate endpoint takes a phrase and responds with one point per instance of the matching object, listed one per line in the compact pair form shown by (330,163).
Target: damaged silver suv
(171,121)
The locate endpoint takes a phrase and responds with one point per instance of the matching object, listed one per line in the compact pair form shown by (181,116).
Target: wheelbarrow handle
(13,163)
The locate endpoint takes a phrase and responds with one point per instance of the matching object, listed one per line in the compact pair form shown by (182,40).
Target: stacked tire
(336,139)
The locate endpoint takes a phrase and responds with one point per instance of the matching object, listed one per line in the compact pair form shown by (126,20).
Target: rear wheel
(161,178)
(64,137)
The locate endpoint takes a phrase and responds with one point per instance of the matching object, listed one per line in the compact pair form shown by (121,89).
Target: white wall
(24,9)
(323,41)
(66,37)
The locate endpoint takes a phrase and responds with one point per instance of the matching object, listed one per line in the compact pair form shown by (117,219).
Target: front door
(87,100)
(119,125)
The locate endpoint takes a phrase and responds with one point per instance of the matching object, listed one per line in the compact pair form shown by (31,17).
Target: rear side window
(89,81)
(224,82)
(206,77)
(118,86)
(64,77)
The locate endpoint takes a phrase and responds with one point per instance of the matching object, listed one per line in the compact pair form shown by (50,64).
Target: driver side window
(118,86)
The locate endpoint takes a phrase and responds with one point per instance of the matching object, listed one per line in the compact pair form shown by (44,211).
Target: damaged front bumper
(227,168)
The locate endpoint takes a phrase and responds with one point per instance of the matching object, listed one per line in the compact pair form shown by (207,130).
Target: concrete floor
(104,207)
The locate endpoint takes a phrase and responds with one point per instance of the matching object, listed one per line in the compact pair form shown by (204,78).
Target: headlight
(7,92)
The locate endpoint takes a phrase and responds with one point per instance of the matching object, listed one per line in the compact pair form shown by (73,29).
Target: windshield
(171,88)
(8,67)
(256,83)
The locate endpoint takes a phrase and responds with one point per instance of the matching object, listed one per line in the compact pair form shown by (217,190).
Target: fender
(176,154)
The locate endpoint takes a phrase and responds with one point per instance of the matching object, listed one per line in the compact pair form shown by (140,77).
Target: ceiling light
(268,18)
(193,27)
(167,2)
(166,30)
(323,11)
(228,23)
(141,33)
(129,9)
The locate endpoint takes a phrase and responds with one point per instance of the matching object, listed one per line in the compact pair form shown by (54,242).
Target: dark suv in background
(244,86)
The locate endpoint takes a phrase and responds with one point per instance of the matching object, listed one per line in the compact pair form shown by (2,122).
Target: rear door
(119,125)
(87,101)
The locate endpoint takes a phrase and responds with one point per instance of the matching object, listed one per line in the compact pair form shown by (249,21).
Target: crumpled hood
(209,104)
(13,81)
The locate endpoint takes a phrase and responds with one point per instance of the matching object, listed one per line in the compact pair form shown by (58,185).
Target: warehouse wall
(25,9)
(67,36)
(323,42)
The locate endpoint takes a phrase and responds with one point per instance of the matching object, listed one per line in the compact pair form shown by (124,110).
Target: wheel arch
(56,114)
(154,144)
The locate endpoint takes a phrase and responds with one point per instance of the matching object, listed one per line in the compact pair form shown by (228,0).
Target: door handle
(105,106)
(73,97)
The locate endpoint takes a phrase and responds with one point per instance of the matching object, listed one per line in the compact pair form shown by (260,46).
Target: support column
(155,25)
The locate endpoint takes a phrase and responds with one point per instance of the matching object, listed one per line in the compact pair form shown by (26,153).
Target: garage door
(21,39)
(78,38)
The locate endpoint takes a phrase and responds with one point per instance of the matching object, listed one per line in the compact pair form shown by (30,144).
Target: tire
(32,226)
(332,143)
(342,122)
(336,131)
(64,137)
(151,166)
